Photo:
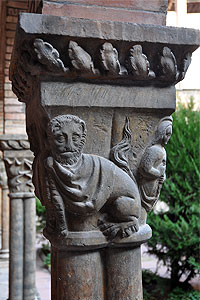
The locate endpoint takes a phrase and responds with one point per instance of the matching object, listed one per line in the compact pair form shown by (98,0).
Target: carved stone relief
(152,167)
(84,184)
(119,153)
(167,67)
(14,145)
(90,187)
(138,64)
(80,59)
(110,60)
(22,83)
(18,167)
(19,173)
(48,56)
(185,65)
(41,58)
(139,138)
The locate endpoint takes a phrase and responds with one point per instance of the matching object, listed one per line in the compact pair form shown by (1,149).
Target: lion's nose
(69,145)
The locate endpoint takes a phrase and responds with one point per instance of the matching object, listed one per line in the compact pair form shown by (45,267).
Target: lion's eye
(60,139)
(75,137)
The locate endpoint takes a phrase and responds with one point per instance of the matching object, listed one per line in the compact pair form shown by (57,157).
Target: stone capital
(99,97)
(18,162)
(111,87)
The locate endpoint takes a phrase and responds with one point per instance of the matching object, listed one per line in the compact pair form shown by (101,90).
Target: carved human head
(163,131)
(66,135)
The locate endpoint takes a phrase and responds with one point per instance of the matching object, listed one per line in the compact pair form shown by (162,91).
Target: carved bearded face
(67,138)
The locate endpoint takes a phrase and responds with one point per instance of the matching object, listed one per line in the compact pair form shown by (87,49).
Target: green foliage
(155,287)
(41,215)
(40,210)
(41,220)
(47,260)
(179,294)
(175,239)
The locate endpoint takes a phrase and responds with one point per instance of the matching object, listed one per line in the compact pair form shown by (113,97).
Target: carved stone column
(4,212)
(99,97)
(18,161)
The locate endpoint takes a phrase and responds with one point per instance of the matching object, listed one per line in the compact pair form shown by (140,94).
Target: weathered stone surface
(124,274)
(119,31)
(62,95)
(101,52)
(86,269)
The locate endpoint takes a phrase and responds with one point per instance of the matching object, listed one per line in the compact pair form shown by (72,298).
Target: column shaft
(29,249)
(53,272)
(1,196)
(5,221)
(16,250)
(124,274)
(80,276)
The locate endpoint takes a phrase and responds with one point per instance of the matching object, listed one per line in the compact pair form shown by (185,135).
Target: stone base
(81,240)
(84,240)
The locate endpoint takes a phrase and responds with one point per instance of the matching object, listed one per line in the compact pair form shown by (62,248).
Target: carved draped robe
(152,162)
(89,184)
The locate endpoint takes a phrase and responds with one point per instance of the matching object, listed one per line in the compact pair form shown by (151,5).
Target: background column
(18,162)
(4,212)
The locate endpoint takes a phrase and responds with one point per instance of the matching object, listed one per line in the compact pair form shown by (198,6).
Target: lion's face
(67,142)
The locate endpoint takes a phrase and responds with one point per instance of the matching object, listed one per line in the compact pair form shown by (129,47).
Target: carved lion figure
(86,184)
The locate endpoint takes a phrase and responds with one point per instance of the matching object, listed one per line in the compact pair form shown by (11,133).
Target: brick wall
(2,61)
(13,111)
(135,11)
